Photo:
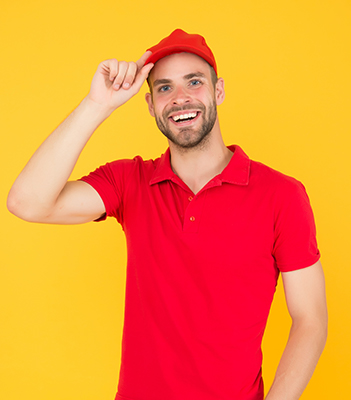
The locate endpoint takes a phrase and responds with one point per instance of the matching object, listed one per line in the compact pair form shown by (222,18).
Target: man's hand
(115,82)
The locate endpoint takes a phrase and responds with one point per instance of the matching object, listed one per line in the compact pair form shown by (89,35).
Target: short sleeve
(110,181)
(295,244)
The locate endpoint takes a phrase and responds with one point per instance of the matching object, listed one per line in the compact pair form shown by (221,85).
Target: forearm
(300,357)
(39,184)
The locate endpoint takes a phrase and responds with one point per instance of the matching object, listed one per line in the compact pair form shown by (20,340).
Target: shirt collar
(237,172)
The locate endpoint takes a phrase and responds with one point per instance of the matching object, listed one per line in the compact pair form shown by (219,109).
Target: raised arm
(41,192)
(306,301)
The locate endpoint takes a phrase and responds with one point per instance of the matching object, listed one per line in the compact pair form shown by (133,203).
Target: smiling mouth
(184,117)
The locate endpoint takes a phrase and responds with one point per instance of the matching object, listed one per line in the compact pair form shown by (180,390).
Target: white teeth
(184,116)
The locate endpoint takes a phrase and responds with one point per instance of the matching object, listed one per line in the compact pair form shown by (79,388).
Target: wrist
(96,110)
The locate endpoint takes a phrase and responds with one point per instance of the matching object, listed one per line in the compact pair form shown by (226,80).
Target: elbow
(18,206)
(15,205)
(314,329)
(318,333)
(324,333)
(321,335)
(323,326)
(321,331)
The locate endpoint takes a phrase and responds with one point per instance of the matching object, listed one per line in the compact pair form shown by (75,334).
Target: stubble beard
(188,138)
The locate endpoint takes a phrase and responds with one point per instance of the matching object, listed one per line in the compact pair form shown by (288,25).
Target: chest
(228,218)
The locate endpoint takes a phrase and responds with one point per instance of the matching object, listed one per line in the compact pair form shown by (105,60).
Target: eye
(164,88)
(195,82)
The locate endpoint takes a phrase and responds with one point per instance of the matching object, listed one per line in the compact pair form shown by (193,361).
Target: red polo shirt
(201,274)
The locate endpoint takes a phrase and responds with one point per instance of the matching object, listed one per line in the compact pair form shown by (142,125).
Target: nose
(180,96)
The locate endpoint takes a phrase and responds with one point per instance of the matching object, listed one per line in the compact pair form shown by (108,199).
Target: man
(208,231)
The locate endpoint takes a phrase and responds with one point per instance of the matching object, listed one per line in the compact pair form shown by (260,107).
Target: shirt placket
(193,212)
(194,204)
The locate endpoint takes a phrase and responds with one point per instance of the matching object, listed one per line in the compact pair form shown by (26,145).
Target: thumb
(142,76)
(142,60)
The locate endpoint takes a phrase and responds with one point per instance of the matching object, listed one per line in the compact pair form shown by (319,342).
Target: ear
(220,93)
(148,98)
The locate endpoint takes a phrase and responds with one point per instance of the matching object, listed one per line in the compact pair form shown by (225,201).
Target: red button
(190,198)
(192,219)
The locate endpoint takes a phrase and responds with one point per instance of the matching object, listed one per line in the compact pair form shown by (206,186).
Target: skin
(193,94)
(42,194)
(306,301)
(183,82)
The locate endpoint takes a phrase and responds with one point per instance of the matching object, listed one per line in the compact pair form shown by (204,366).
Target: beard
(187,137)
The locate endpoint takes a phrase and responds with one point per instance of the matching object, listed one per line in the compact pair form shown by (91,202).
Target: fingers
(109,69)
(140,63)
(124,74)
(112,68)
(129,73)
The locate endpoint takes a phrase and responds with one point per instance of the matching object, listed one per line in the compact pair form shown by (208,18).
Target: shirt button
(192,219)
(190,198)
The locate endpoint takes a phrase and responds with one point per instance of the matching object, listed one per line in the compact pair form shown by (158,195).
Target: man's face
(183,99)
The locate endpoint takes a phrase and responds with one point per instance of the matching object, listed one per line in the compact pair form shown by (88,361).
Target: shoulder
(260,175)
(273,180)
(278,190)
(130,163)
(127,167)
(120,174)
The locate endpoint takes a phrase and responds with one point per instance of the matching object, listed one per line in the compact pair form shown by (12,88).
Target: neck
(197,166)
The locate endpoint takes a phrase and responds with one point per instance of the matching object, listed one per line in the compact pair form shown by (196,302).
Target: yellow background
(286,66)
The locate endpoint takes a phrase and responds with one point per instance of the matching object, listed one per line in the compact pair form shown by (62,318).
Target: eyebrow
(194,75)
(158,82)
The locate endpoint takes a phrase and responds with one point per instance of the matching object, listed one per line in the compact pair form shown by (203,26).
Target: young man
(208,231)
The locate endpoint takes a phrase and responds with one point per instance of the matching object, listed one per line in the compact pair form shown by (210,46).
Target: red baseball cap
(179,41)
